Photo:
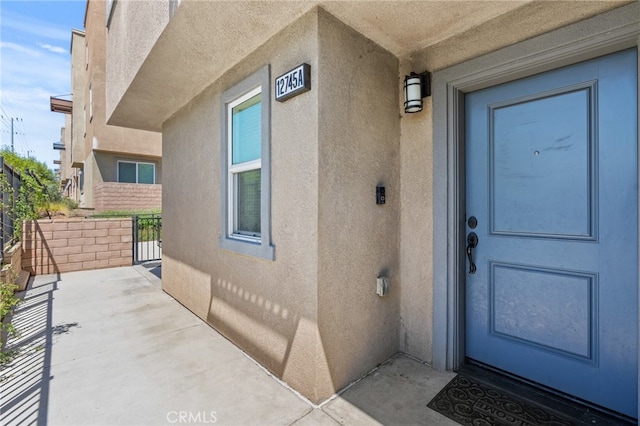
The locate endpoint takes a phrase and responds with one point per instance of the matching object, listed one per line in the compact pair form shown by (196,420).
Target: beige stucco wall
(269,308)
(416,231)
(91,175)
(100,136)
(311,316)
(359,136)
(65,155)
(92,138)
(136,25)
(509,28)
(78,70)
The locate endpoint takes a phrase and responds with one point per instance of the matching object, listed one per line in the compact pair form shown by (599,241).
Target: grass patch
(126,213)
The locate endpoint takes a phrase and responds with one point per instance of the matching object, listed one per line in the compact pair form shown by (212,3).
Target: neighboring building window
(90,101)
(110,5)
(84,120)
(246,203)
(136,172)
(86,56)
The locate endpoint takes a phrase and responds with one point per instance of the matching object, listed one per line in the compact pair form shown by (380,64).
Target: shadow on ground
(25,380)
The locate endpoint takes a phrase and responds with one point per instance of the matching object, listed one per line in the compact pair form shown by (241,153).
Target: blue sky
(35,63)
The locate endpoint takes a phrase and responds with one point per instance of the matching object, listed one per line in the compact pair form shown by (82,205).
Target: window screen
(248,202)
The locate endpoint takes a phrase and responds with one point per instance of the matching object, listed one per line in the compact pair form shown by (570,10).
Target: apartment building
(68,175)
(107,167)
(346,180)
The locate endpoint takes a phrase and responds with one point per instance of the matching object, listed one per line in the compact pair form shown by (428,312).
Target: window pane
(146,173)
(127,172)
(248,202)
(246,131)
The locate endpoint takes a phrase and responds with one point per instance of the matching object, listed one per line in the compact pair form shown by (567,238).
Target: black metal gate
(10,183)
(147,238)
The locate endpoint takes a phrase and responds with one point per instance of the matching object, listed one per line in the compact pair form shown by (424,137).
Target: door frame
(609,32)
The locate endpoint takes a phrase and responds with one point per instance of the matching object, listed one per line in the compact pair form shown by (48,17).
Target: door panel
(551,169)
(543,185)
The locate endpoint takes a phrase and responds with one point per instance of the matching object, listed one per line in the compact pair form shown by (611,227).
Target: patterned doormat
(471,402)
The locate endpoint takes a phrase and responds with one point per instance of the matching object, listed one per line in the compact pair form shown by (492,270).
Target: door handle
(472,242)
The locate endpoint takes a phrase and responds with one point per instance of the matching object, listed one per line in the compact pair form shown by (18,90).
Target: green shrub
(8,301)
(39,187)
(71,204)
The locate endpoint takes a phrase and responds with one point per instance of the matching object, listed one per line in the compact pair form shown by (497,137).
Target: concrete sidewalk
(109,347)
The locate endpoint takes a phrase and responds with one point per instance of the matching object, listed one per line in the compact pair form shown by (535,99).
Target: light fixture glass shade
(412,93)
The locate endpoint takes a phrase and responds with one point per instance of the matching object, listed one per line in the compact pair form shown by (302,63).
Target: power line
(22,135)
(12,111)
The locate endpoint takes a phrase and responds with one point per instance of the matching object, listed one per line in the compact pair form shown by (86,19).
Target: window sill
(248,248)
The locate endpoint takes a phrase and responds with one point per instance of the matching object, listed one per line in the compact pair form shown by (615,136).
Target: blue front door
(551,192)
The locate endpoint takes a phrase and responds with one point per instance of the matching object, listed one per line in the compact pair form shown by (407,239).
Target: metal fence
(147,238)
(10,189)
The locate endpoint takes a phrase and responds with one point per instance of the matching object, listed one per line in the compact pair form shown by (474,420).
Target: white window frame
(137,163)
(234,169)
(251,245)
(90,102)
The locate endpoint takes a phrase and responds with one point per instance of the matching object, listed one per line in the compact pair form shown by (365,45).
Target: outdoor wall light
(416,87)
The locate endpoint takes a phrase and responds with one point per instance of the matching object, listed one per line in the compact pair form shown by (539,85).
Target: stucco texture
(98,139)
(268,308)
(312,316)
(134,28)
(359,135)
(416,232)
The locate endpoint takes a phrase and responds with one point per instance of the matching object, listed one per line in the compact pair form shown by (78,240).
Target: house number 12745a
(294,82)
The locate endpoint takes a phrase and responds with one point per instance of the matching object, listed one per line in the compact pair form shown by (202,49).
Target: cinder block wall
(12,263)
(127,196)
(50,246)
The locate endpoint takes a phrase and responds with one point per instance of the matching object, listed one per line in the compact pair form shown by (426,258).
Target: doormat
(471,402)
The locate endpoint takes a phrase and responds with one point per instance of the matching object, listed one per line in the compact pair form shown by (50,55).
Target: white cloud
(26,24)
(38,127)
(54,49)
(26,67)
(19,48)
(29,77)
(35,64)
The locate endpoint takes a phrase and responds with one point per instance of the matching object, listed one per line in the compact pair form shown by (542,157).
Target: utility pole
(12,120)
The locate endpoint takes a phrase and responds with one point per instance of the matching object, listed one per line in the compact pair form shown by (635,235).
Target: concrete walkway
(109,347)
